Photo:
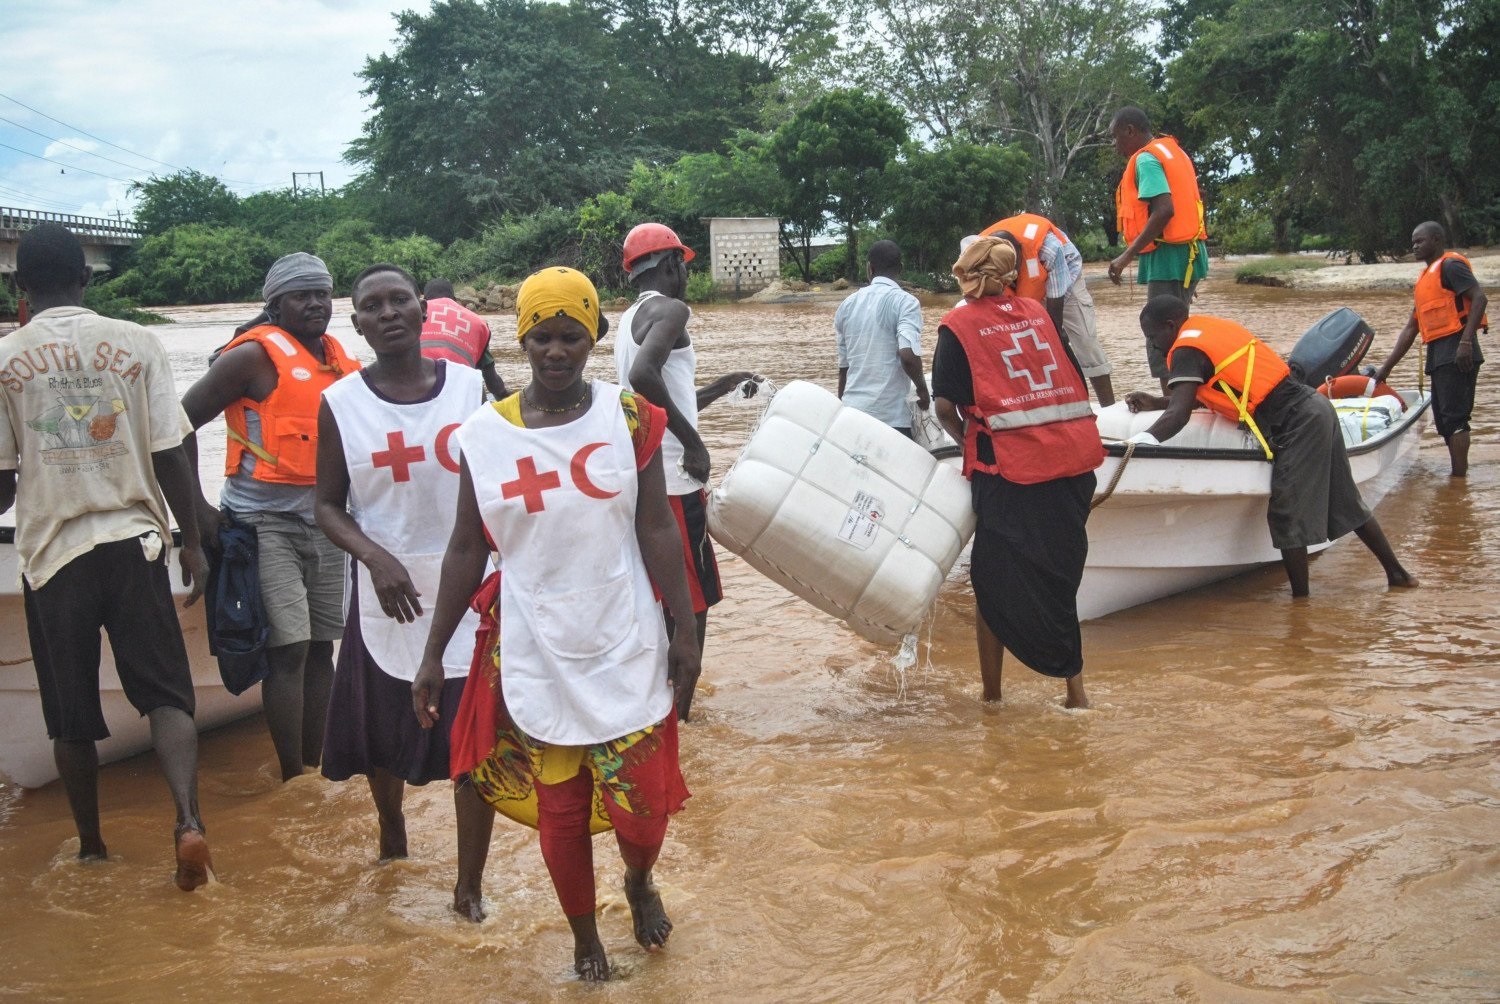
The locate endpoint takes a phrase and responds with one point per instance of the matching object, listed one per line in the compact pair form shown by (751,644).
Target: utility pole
(309,175)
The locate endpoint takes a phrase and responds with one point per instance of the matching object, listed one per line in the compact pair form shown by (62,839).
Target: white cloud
(247,90)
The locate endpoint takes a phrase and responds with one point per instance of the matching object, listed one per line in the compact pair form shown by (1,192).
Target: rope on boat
(1114,481)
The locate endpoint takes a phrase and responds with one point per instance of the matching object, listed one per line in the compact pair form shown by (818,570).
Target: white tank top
(680,376)
(403,493)
(583,646)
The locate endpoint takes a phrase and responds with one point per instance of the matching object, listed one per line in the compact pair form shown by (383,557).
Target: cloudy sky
(246,90)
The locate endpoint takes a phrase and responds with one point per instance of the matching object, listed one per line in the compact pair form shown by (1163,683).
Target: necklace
(531,402)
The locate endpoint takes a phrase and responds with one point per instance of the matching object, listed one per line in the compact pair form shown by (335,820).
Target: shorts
(301,579)
(1453,398)
(1082,331)
(117,588)
(691,511)
(1155,357)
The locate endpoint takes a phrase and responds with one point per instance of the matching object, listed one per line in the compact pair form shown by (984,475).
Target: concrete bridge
(100,237)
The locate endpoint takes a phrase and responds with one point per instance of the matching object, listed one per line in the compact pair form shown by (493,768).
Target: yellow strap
(259,451)
(1240,405)
(1187,277)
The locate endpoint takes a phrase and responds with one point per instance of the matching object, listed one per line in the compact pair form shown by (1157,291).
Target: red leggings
(563,812)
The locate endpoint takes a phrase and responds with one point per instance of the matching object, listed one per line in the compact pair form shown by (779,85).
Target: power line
(70,146)
(90,135)
(45,203)
(126,181)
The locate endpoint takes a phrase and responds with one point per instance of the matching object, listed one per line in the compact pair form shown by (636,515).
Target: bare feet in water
(1076,697)
(649,917)
(468,904)
(93,850)
(193,862)
(1401,580)
(589,960)
(392,839)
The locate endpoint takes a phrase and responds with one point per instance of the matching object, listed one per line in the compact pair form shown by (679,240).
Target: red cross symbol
(530,485)
(450,319)
(398,456)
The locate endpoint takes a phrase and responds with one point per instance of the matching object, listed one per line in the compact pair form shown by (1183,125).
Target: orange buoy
(1355,385)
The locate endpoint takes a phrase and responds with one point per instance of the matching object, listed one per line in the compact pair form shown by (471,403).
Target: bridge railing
(89,226)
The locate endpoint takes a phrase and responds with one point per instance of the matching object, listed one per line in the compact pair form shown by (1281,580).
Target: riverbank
(1305,273)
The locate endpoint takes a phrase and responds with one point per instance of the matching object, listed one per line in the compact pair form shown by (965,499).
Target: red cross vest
(403,463)
(1031,230)
(1245,369)
(454,332)
(583,647)
(1028,398)
(287,453)
(1437,310)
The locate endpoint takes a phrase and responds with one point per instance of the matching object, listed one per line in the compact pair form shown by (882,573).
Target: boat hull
(1179,519)
(25,750)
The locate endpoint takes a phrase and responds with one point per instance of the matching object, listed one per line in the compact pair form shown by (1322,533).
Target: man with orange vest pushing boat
(1160,213)
(1219,365)
(268,383)
(1449,312)
(1050,270)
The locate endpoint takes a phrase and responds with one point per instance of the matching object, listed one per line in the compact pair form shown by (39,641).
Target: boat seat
(1205,429)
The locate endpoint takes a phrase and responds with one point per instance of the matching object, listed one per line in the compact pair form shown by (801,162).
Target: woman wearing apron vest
(386,491)
(1008,387)
(582,689)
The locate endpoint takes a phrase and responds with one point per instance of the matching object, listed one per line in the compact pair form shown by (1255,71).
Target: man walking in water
(89,415)
(267,382)
(879,340)
(654,357)
(1449,312)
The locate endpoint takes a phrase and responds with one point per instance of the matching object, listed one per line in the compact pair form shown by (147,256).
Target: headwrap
(557,292)
(298,270)
(963,245)
(986,268)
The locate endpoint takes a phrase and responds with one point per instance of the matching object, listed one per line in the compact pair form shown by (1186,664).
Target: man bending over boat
(90,416)
(267,383)
(1223,367)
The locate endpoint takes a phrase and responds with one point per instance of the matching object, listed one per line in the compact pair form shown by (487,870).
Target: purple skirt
(371,723)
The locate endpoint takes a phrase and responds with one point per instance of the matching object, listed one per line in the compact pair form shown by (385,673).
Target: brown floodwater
(1268,800)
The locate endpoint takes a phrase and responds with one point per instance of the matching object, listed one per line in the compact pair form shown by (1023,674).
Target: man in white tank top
(654,356)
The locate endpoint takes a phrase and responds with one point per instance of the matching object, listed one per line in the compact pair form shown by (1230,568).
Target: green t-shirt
(1169,261)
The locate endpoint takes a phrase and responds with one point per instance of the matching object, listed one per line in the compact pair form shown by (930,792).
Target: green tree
(185,197)
(833,155)
(1046,76)
(197,263)
(947,192)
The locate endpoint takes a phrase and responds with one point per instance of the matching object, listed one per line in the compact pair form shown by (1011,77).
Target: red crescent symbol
(580,471)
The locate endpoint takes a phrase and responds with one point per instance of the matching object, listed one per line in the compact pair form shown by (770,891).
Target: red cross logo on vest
(1018,365)
(530,484)
(450,318)
(398,456)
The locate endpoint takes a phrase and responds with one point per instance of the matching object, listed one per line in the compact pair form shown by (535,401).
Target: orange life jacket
(1186,224)
(1245,369)
(287,453)
(1437,310)
(1031,230)
(1029,399)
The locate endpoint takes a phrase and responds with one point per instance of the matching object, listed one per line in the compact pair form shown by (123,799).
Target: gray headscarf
(298,270)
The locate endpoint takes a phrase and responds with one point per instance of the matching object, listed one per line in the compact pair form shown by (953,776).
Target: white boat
(1182,516)
(25,750)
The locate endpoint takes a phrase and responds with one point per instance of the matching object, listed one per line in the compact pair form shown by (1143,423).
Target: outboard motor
(1331,348)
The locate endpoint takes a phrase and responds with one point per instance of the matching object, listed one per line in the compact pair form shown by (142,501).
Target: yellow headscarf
(557,292)
(986,267)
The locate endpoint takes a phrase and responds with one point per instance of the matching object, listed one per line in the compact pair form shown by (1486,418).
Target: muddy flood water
(1268,801)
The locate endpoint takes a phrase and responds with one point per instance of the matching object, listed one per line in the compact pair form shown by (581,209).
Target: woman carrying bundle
(1008,388)
(566,479)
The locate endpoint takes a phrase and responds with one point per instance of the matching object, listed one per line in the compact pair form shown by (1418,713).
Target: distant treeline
(507,134)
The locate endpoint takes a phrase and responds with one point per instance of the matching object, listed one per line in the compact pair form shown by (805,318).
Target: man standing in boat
(267,383)
(90,418)
(879,341)
(1218,364)
(1050,269)
(654,357)
(1160,215)
(1449,312)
